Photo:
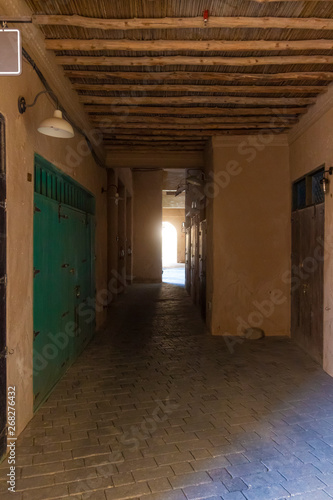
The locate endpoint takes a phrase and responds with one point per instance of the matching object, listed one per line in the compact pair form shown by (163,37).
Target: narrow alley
(157,409)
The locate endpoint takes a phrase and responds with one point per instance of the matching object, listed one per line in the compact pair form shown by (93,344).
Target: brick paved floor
(155,409)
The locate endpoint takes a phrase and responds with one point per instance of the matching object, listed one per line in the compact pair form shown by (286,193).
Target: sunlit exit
(169,244)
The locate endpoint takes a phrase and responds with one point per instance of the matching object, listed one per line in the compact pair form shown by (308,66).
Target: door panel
(64,317)
(195,259)
(202,266)
(188,259)
(307,275)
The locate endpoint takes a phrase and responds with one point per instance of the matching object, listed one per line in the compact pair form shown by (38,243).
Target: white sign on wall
(10,52)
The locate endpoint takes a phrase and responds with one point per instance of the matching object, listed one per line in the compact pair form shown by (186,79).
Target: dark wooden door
(307,297)
(3,283)
(188,259)
(195,259)
(202,266)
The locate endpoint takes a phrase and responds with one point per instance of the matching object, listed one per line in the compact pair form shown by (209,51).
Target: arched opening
(169,244)
(173,272)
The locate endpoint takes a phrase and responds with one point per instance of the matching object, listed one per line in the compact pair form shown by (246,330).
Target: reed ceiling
(154,75)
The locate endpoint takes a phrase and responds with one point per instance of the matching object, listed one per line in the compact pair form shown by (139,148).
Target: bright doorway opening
(169,244)
(173,272)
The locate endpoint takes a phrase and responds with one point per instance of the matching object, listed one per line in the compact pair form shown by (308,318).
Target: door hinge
(36,271)
(3,205)
(3,280)
(36,209)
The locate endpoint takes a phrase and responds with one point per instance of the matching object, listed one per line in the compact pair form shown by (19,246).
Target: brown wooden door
(195,259)
(188,259)
(307,295)
(202,266)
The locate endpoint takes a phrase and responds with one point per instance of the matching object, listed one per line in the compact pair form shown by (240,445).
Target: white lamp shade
(56,126)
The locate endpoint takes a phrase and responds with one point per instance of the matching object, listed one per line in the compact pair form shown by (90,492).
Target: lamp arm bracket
(22,104)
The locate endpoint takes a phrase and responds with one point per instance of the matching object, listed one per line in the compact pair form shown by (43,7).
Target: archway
(169,244)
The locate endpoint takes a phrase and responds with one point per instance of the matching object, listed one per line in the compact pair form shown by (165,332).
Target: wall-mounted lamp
(325,181)
(180,190)
(116,197)
(55,126)
(196,180)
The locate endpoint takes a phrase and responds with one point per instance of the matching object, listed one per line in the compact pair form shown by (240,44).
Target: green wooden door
(63,276)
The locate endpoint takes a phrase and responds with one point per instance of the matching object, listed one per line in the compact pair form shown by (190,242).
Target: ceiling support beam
(193,45)
(141,111)
(187,121)
(191,60)
(254,89)
(176,101)
(199,132)
(325,76)
(308,23)
(275,122)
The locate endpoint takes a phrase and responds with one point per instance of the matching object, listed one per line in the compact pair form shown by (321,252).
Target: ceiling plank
(156,142)
(186,22)
(178,45)
(160,138)
(180,133)
(193,131)
(141,101)
(174,126)
(254,89)
(191,60)
(200,76)
(142,111)
(129,147)
(187,121)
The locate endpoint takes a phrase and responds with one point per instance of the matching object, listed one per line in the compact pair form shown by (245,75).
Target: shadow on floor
(156,409)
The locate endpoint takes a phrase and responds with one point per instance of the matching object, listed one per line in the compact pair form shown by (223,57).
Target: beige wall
(176,217)
(147,235)
(250,227)
(311,145)
(23,141)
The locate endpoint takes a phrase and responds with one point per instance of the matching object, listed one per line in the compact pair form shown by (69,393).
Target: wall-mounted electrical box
(10,52)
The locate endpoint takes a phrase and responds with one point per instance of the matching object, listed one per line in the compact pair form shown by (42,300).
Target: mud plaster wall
(23,141)
(251,235)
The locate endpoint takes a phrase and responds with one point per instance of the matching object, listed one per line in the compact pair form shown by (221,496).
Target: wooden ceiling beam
(187,121)
(193,45)
(217,126)
(176,101)
(179,133)
(129,147)
(154,143)
(252,89)
(142,111)
(191,60)
(308,23)
(142,138)
(159,144)
(193,131)
(200,76)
